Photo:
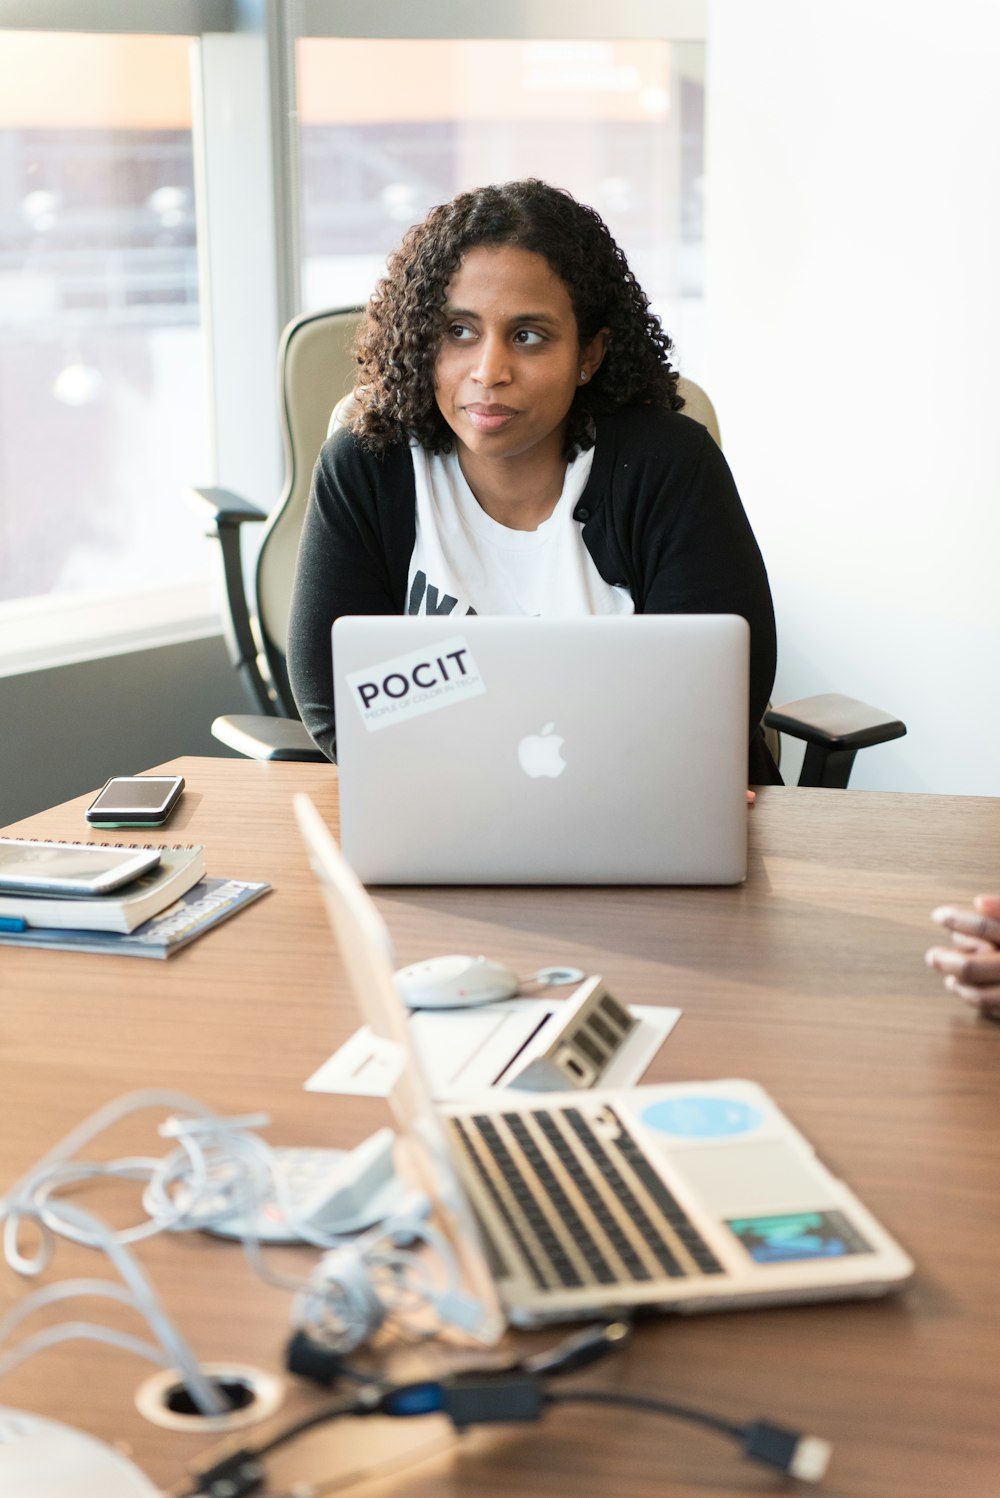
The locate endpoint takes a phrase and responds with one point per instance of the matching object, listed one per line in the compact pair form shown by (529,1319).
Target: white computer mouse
(455,983)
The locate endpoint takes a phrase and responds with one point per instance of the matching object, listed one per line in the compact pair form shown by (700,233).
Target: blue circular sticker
(702,1117)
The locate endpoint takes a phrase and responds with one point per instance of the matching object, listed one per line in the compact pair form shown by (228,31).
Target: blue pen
(12,923)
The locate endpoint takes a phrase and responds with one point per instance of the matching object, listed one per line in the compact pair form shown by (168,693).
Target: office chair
(316,372)
(316,367)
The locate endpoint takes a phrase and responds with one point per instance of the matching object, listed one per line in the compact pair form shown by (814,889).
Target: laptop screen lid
(422,1154)
(599,750)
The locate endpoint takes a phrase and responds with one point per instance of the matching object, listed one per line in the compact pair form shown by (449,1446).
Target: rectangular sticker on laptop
(419,682)
(793,1237)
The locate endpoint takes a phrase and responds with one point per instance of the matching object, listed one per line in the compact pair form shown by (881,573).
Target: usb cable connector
(803,1456)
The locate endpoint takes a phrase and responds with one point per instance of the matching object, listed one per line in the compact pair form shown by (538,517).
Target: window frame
(544,20)
(124,17)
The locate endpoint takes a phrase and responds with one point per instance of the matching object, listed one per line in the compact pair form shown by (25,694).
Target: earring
(584,377)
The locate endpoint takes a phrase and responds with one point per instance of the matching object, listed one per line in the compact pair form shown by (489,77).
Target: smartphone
(135,801)
(29,867)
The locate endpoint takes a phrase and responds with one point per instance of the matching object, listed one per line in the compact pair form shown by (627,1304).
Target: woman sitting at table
(515,446)
(972,963)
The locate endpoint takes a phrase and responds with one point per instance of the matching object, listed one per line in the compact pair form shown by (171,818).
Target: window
(155,235)
(620,123)
(103,409)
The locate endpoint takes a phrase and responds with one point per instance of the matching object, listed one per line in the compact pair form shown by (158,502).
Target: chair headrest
(342,412)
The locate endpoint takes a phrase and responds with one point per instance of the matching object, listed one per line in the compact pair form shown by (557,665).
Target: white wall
(66,729)
(853,294)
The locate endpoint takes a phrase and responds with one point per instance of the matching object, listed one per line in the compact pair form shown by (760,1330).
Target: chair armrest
(221,507)
(259,737)
(224,513)
(835,721)
(834,728)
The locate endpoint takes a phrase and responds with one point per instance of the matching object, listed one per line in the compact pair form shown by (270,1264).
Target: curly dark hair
(404,324)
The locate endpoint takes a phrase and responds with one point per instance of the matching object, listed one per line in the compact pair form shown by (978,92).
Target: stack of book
(151,916)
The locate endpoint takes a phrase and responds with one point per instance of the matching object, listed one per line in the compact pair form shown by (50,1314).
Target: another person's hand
(971,964)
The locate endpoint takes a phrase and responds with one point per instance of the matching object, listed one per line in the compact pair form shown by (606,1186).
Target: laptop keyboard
(583,1205)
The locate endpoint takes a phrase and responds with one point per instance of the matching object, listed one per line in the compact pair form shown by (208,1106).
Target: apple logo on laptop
(539,753)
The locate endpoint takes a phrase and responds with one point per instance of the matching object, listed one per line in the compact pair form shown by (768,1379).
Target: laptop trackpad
(736,1180)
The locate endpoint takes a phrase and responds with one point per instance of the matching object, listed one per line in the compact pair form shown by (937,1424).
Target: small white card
(464,1051)
(365,1066)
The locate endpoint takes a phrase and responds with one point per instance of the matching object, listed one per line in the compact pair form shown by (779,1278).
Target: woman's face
(510,361)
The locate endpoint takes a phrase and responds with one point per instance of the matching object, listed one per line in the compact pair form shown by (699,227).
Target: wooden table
(809,979)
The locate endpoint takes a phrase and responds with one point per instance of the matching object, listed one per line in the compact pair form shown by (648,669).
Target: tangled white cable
(35,1200)
(358,1287)
(219,1167)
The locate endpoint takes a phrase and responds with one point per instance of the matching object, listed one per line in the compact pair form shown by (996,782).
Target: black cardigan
(660,515)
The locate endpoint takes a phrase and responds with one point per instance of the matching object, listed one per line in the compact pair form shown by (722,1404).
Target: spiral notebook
(123,909)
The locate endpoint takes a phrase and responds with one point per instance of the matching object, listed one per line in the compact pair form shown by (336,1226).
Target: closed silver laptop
(543,751)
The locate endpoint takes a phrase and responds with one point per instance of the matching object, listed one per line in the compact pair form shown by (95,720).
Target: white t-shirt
(466,562)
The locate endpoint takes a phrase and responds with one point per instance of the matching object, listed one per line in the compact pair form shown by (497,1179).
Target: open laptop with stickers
(599,750)
(695,1196)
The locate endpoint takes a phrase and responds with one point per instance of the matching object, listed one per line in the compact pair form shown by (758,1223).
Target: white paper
(464,1051)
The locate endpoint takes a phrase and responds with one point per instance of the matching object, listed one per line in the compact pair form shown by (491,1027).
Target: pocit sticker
(419,682)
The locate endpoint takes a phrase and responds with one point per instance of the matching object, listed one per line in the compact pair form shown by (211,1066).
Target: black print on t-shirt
(423,592)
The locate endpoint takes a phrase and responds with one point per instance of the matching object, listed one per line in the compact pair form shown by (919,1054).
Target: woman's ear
(592,355)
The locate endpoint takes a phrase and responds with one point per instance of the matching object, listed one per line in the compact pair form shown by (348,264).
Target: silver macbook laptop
(691,1197)
(543,751)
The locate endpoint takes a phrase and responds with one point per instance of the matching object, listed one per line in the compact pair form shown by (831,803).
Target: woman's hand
(972,963)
